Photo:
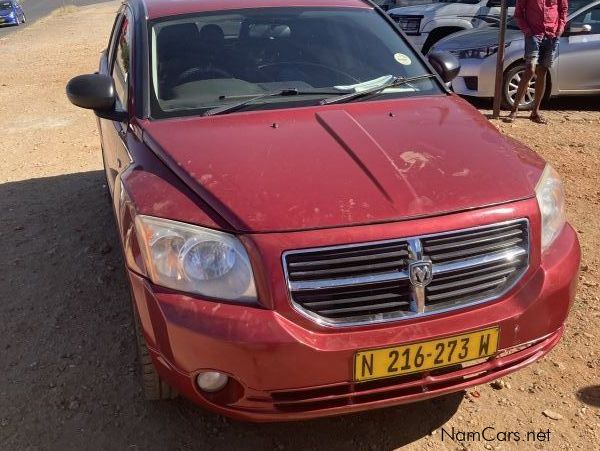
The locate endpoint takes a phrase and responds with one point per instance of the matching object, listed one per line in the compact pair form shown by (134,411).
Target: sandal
(510,118)
(538,119)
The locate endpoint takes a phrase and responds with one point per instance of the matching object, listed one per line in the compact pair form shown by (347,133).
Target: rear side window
(122,62)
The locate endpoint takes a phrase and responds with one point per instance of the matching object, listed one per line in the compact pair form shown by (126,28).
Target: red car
(312,224)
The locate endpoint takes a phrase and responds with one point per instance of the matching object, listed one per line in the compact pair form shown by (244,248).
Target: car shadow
(68,366)
(590,395)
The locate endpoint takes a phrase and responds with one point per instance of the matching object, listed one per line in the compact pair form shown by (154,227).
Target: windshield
(213,60)
(5,6)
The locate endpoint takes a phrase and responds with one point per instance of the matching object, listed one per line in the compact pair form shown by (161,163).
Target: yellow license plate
(425,355)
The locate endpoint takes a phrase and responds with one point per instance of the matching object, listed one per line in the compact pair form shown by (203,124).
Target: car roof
(161,8)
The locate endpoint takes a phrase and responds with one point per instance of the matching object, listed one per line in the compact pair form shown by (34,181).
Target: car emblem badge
(420,273)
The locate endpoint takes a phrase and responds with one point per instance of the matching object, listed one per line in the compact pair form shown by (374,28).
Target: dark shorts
(540,50)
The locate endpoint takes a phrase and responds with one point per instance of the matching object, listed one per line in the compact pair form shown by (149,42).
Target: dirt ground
(67,355)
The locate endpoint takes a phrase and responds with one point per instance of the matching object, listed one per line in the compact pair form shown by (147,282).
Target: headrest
(211,34)
(172,38)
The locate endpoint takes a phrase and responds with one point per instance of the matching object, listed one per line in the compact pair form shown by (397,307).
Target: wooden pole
(500,59)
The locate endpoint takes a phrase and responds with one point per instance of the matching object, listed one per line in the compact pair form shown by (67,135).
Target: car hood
(438,9)
(342,165)
(481,37)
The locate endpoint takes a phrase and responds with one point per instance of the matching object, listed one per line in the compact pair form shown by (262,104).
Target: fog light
(211,381)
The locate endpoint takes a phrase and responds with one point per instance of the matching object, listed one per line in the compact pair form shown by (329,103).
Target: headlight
(551,200)
(194,259)
(410,24)
(477,53)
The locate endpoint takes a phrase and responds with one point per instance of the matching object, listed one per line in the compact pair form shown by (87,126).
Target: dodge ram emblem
(420,273)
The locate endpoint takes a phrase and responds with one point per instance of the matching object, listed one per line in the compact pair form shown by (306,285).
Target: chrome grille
(370,282)
(368,299)
(456,246)
(347,261)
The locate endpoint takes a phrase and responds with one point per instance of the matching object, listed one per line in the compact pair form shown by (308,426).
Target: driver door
(117,65)
(579,54)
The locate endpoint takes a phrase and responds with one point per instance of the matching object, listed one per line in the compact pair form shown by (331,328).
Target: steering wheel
(307,64)
(196,73)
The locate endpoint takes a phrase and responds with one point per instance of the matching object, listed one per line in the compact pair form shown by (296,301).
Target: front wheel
(153,387)
(512,78)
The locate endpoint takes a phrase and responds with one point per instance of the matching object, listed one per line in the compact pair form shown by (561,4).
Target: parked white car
(427,24)
(390,4)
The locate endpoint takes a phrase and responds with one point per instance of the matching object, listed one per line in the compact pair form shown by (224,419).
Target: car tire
(153,387)
(509,88)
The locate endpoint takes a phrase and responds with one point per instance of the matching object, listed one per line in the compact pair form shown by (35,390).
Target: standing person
(542,22)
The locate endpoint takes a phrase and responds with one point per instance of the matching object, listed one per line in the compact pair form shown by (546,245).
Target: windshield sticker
(402,59)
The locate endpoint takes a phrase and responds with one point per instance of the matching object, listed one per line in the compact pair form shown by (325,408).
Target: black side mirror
(493,3)
(445,64)
(96,92)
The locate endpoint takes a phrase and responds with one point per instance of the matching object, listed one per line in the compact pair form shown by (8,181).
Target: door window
(122,60)
(591,18)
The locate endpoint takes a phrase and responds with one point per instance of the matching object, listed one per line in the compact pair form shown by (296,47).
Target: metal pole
(500,59)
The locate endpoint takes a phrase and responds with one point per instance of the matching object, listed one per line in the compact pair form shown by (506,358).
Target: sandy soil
(67,356)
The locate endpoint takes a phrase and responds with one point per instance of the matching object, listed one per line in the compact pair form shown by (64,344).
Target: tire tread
(153,387)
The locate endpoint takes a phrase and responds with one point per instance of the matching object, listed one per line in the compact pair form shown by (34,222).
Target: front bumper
(5,20)
(476,78)
(288,368)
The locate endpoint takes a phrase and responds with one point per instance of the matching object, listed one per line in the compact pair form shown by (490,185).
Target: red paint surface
(346,165)
(267,352)
(330,175)
(271,180)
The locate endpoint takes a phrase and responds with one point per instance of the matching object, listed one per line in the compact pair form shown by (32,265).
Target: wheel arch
(549,77)
(435,24)
(440,32)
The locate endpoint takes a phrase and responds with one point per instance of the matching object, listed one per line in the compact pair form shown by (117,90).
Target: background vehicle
(389,4)
(427,24)
(576,70)
(11,13)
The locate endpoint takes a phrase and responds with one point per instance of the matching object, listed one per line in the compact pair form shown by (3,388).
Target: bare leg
(530,69)
(540,89)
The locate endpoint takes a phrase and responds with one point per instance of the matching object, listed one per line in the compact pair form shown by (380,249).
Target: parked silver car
(575,72)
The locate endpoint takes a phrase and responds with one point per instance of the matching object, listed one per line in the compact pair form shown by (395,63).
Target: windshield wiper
(282,93)
(396,81)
